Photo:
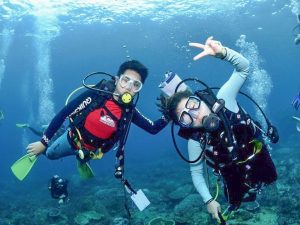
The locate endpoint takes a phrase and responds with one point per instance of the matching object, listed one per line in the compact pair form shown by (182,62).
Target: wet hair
(173,102)
(135,66)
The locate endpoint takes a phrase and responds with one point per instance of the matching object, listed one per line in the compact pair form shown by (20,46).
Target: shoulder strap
(106,85)
(97,101)
(211,100)
(207,97)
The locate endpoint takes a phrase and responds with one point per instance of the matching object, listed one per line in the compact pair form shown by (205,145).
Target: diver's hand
(35,148)
(162,104)
(213,208)
(211,47)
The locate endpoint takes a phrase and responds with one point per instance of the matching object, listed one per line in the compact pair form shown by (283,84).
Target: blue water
(46,54)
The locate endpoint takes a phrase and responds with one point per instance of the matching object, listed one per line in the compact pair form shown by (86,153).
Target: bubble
(6,40)
(295,5)
(259,81)
(46,30)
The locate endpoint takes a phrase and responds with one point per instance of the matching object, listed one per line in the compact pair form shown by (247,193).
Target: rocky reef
(170,191)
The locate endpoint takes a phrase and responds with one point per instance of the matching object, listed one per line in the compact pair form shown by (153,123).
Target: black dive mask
(211,122)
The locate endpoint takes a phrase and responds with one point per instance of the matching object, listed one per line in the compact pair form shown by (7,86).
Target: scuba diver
(40,133)
(1,115)
(221,134)
(297,27)
(58,188)
(35,131)
(297,122)
(99,119)
(296,101)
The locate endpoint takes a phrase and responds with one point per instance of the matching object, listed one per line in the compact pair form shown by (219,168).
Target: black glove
(162,104)
(272,133)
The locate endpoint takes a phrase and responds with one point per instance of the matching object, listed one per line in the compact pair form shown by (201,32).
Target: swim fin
(85,170)
(1,115)
(22,125)
(22,166)
(298,123)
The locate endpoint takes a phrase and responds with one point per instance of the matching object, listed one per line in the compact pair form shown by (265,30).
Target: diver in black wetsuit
(222,134)
(58,189)
(99,120)
(40,132)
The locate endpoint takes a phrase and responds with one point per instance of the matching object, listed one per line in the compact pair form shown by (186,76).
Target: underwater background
(48,47)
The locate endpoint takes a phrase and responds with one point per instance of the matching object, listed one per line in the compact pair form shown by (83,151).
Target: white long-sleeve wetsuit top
(228,92)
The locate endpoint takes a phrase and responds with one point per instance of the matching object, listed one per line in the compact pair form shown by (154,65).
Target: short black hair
(173,102)
(136,66)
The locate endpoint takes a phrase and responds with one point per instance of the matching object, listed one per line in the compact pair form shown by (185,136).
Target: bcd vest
(94,109)
(244,132)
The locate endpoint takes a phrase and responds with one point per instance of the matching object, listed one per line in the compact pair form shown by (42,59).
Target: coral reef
(88,216)
(181,192)
(161,221)
(173,200)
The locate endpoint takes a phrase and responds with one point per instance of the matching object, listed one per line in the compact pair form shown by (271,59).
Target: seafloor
(169,188)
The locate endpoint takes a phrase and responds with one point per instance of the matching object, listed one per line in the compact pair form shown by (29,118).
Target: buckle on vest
(96,154)
(257,147)
(83,154)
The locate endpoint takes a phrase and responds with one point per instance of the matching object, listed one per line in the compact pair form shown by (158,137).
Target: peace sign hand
(211,47)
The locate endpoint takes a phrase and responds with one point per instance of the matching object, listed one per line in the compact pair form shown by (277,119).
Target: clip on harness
(83,154)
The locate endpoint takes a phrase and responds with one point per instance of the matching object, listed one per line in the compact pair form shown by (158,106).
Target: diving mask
(128,82)
(209,123)
(190,111)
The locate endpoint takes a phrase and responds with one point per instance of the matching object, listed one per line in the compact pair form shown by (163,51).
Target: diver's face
(130,82)
(191,111)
